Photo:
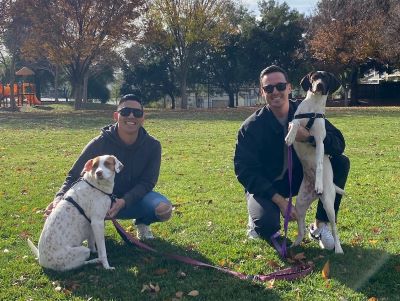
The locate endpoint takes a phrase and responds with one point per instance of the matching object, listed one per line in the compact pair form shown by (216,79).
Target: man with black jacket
(140,154)
(261,161)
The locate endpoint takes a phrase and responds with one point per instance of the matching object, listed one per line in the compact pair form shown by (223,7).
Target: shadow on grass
(373,272)
(135,268)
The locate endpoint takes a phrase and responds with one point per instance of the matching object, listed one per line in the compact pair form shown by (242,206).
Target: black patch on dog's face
(330,82)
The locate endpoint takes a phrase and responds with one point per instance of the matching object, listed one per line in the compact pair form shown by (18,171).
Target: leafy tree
(345,34)
(229,67)
(149,69)
(185,27)
(73,33)
(278,39)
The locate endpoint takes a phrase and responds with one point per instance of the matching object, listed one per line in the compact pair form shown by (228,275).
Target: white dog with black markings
(318,175)
(79,216)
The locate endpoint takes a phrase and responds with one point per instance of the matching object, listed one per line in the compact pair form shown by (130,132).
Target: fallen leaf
(193,293)
(160,272)
(58,288)
(376,230)
(179,294)
(373,299)
(373,241)
(145,288)
(273,264)
(299,256)
(271,283)
(326,270)
(181,274)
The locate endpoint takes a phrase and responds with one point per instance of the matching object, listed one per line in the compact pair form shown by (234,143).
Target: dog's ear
(118,165)
(88,167)
(305,82)
(334,83)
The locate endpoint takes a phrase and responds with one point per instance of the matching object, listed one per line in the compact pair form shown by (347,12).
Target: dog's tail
(339,190)
(34,249)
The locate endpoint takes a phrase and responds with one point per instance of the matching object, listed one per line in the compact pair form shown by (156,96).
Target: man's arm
(248,165)
(148,179)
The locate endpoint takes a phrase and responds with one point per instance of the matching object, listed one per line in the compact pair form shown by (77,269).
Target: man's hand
(302,134)
(50,207)
(283,204)
(116,207)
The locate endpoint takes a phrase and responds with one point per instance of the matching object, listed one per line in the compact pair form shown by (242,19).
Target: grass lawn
(39,145)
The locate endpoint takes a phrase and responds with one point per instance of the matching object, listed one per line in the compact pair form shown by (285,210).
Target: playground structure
(23,91)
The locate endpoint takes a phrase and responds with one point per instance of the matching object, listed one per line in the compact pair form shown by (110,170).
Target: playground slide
(33,100)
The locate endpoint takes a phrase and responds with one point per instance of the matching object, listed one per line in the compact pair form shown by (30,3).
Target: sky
(303,6)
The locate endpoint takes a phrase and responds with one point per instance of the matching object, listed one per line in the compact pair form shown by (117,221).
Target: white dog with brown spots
(318,175)
(79,216)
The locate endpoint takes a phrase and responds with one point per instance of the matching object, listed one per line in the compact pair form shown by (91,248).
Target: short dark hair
(272,69)
(132,97)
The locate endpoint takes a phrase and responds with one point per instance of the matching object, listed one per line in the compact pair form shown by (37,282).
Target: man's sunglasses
(270,88)
(138,113)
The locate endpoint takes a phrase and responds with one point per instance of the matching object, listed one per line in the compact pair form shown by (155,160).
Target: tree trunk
(354,86)
(184,102)
(85,87)
(231,103)
(56,75)
(78,86)
(13,105)
(173,103)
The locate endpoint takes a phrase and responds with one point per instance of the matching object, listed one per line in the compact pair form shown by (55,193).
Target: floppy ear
(88,167)
(334,83)
(305,82)
(118,165)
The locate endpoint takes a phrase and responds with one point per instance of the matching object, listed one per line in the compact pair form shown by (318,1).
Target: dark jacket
(259,154)
(141,162)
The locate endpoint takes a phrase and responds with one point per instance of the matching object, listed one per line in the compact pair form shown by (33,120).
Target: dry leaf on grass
(271,284)
(160,272)
(179,294)
(193,293)
(373,299)
(326,270)
(299,256)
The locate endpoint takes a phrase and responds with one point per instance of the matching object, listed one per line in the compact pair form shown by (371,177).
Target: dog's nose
(99,173)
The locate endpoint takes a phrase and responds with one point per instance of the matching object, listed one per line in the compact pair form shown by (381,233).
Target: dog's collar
(311,116)
(110,195)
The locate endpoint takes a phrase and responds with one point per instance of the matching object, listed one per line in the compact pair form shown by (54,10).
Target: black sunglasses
(270,88)
(138,113)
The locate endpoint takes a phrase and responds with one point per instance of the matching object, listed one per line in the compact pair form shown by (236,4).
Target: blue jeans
(144,211)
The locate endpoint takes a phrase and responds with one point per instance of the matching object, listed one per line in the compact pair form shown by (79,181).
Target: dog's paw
(109,268)
(289,139)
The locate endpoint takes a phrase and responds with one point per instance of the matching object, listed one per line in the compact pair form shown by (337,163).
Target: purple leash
(283,249)
(290,273)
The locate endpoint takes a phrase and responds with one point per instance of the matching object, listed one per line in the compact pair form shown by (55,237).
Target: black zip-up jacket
(141,162)
(259,154)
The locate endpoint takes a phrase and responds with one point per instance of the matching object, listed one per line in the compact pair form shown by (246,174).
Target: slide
(33,100)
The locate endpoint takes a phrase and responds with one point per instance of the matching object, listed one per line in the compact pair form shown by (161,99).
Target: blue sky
(303,6)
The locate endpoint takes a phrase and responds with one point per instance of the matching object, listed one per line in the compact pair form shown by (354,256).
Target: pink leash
(290,273)
(283,249)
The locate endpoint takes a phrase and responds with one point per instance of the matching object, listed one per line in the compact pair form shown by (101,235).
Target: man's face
(273,82)
(129,123)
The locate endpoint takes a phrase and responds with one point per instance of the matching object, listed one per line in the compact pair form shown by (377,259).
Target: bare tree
(73,33)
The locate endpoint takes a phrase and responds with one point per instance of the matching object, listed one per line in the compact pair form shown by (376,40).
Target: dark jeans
(265,214)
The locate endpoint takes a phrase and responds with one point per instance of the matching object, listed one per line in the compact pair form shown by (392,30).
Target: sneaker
(251,233)
(144,232)
(323,235)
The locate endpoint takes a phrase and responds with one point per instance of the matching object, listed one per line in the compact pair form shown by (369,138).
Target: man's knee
(163,211)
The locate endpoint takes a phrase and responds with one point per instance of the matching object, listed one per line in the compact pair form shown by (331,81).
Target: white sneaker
(251,233)
(323,235)
(144,232)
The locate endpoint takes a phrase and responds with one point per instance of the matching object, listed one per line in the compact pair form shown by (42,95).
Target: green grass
(39,145)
